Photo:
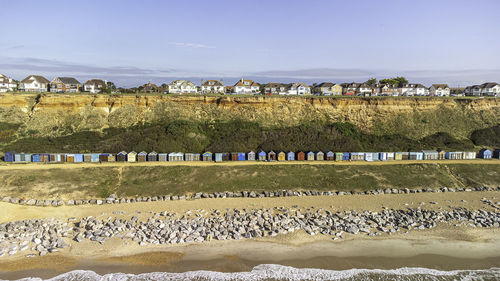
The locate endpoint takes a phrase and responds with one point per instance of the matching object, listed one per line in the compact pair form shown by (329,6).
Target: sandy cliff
(57,114)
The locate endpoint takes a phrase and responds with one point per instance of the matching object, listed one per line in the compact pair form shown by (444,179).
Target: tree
(111,85)
(371,81)
(399,81)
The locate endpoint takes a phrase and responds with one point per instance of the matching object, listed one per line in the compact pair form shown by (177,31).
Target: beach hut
(207,156)
(290,156)
(271,156)
(416,156)
(454,155)
(226,156)
(9,156)
(469,155)
(87,157)
(346,156)
(63,157)
(103,157)
(35,158)
(262,156)
(44,157)
(94,157)
(142,156)
(339,156)
(430,154)
(406,155)
(218,157)
(251,156)
(176,156)
(189,157)
(310,156)
(496,154)
(357,156)
(368,156)
(52,157)
(390,156)
(301,156)
(441,155)
(70,158)
(398,155)
(241,156)
(17,157)
(111,157)
(234,156)
(382,156)
(320,156)
(330,156)
(196,156)
(121,156)
(78,157)
(132,157)
(485,154)
(153,156)
(162,157)
(281,156)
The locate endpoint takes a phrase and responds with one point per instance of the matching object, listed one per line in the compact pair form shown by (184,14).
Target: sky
(133,42)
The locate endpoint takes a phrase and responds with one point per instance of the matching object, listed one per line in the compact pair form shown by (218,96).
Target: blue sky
(132,42)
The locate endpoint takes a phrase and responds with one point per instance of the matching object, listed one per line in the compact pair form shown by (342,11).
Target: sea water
(280,272)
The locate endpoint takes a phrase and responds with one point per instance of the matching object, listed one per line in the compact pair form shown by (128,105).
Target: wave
(273,272)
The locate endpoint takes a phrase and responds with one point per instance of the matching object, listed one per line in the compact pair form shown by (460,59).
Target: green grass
(102,181)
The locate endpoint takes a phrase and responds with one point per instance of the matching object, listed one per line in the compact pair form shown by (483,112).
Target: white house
(363,89)
(299,89)
(212,87)
(182,87)
(34,83)
(245,86)
(414,90)
(7,84)
(440,90)
(485,89)
(275,89)
(94,86)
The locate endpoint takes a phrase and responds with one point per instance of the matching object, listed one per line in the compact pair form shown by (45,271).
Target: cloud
(316,73)
(192,45)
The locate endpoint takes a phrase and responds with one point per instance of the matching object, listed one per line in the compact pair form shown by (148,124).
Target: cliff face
(57,114)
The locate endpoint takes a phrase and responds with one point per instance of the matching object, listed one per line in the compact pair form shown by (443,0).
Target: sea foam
(279,272)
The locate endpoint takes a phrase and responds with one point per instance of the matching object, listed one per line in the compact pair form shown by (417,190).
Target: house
(440,90)
(153,156)
(328,89)
(271,156)
(9,156)
(262,156)
(149,88)
(281,156)
(299,89)
(251,156)
(142,156)
(430,155)
(485,89)
(121,156)
(274,89)
(207,156)
(65,85)
(469,155)
(94,86)
(34,83)
(162,157)
(310,156)
(132,156)
(485,154)
(414,90)
(290,156)
(212,87)
(388,90)
(301,156)
(320,156)
(245,86)
(182,87)
(218,157)
(330,156)
(7,84)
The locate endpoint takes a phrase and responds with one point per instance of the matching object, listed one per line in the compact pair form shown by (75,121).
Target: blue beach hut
(485,153)
(241,156)
(262,156)
(78,158)
(290,156)
(35,158)
(9,156)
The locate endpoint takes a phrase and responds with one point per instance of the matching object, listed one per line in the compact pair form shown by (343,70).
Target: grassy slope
(161,180)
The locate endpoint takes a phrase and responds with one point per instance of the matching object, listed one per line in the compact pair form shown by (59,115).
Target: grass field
(86,181)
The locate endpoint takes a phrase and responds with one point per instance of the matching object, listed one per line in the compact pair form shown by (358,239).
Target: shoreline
(439,249)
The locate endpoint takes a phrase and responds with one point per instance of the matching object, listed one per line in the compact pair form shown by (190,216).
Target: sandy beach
(444,247)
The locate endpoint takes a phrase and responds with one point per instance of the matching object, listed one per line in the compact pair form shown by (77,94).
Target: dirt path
(37,166)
